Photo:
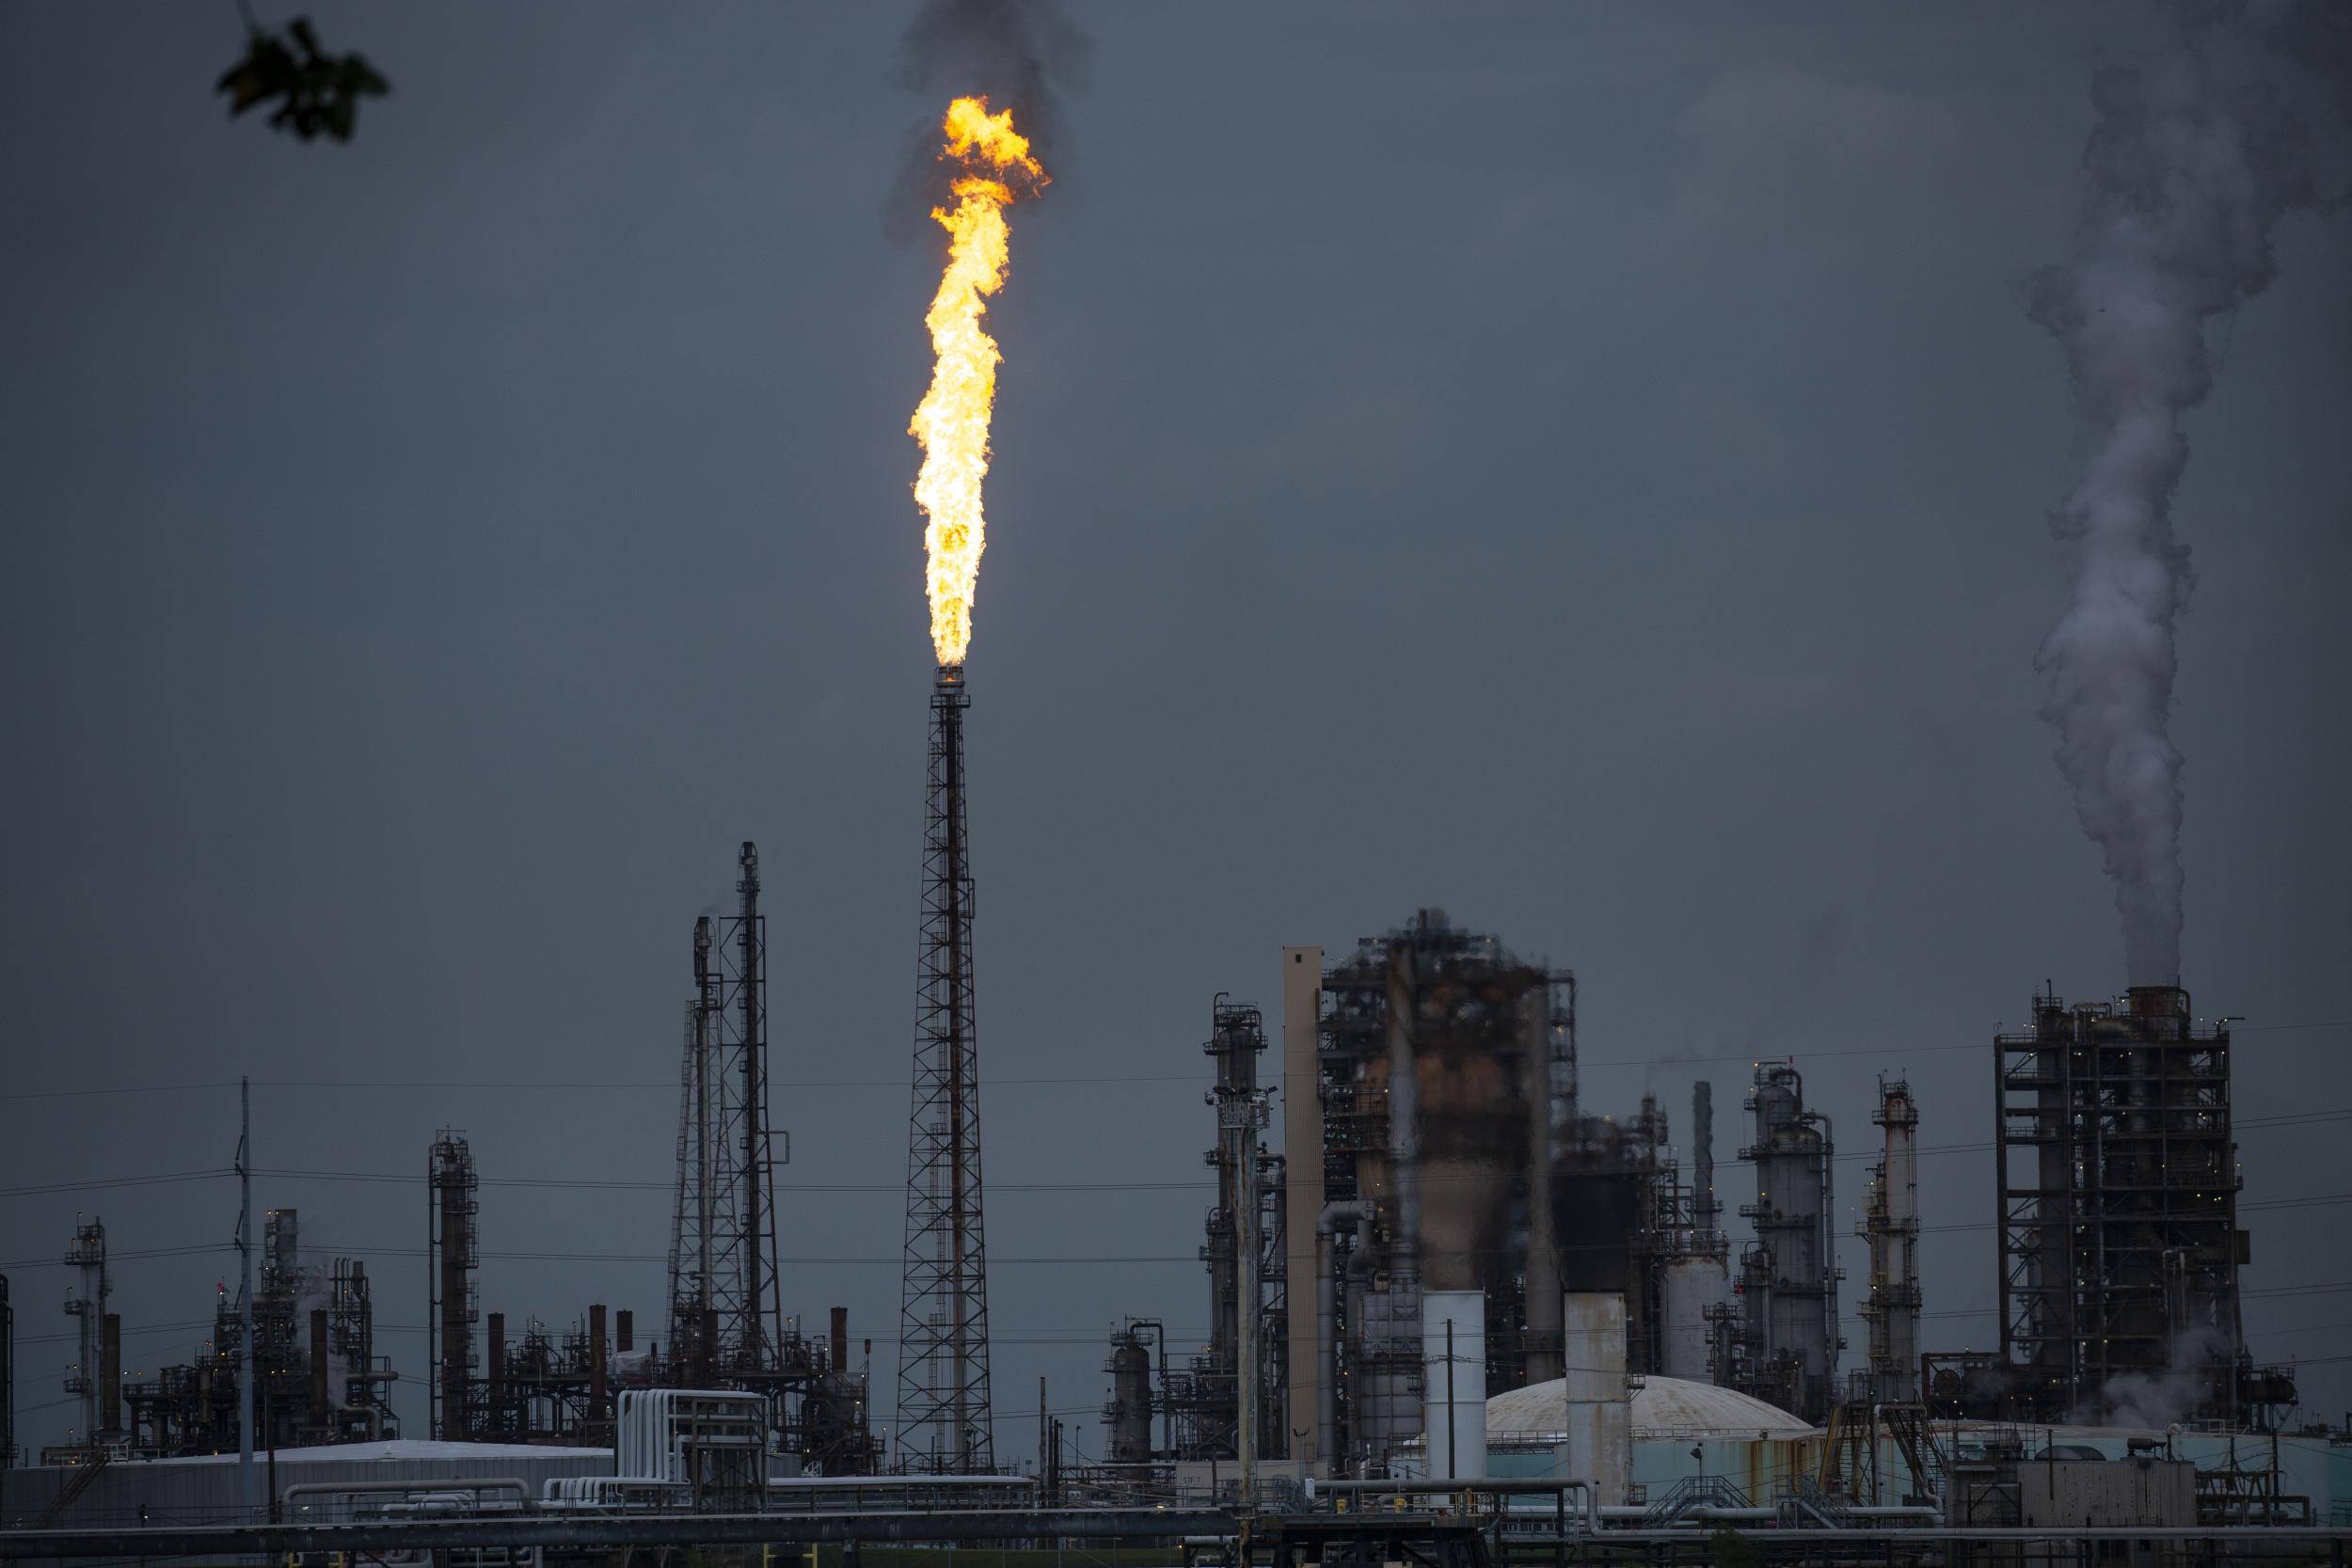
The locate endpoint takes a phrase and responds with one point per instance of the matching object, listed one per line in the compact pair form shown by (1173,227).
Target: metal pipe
(596,1404)
(319,1400)
(109,1378)
(707,1530)
(246,1493)
(750,959)
(1445,1484)
(1327,1315)
(455,1483)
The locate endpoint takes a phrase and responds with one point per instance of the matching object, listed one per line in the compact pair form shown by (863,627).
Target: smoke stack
(285,1243)
(1703,1152)
(491,1414)
(624,1332)
(840,1339)
(597,1410)
(1404,1111)
(109,1374)
(319,1402)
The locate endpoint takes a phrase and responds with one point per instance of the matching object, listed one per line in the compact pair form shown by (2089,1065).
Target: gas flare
(996,170)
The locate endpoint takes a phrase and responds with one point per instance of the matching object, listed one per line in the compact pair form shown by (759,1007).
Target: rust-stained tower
(943,1352)
(452,1184)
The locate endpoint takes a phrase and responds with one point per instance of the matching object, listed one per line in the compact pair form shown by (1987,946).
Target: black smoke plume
(1024,54)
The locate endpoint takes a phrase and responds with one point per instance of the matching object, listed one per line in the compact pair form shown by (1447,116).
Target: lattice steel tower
(943,1352)
(726,1307)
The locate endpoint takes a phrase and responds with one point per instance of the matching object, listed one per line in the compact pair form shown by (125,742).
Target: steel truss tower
(943,1354)
(726,1307)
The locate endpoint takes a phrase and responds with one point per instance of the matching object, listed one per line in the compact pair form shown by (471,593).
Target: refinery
(1434,1267)
(1463,1309)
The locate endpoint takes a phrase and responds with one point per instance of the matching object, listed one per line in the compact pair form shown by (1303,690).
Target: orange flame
(952,421)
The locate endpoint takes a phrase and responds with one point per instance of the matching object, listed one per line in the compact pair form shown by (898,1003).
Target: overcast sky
(1583,467)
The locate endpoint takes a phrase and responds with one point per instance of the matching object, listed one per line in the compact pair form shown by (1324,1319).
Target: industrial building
(1437,1149)
(727,1330)
(2119,1242)
(1451,1266)
(1438,1157)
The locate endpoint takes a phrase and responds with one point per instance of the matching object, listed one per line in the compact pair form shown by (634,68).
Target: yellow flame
(952,422)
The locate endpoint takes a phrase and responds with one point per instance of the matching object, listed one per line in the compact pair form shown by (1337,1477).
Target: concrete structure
(1596,1395)
(2089,1491)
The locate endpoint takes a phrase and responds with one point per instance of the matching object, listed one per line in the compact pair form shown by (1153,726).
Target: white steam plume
(2195,158)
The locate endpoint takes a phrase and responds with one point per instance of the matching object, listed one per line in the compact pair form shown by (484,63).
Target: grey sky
(1583,468)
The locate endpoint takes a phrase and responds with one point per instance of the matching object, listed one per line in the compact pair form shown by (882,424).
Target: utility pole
(1452,1463)
(245,1297)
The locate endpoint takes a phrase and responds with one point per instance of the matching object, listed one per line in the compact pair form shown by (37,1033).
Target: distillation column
(1788,1277)
(452,1183)
(1890,1225)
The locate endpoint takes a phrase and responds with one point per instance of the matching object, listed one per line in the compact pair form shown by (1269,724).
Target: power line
(113,1257)
(616,1184)
(894,1260)
(635,1086)
(104,1183)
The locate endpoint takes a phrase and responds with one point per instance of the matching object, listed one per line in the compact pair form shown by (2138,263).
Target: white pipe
(1489,1485)
(468,1483)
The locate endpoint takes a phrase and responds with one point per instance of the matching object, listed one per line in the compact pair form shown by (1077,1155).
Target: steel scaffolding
(943,1424)
(746,1297)
(707,1201)
(2118,1240)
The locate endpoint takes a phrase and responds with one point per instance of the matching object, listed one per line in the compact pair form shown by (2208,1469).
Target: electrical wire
(544,1085)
